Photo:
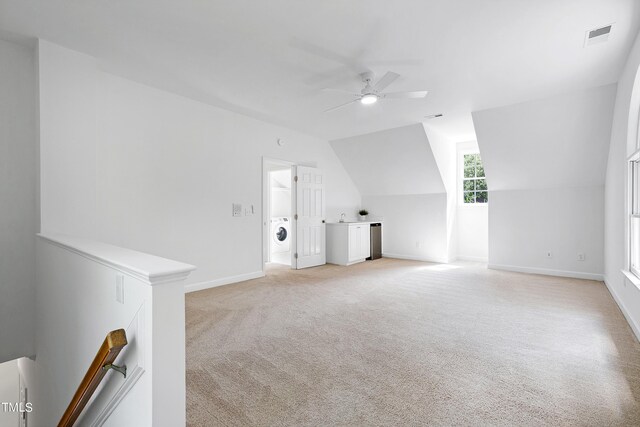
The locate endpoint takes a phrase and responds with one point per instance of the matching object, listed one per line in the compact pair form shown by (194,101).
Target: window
(474,184)
(634,214)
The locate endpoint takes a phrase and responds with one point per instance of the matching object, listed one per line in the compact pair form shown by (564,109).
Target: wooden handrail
(109,350)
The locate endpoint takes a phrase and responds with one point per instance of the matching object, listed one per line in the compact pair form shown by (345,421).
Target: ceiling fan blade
(405,95)
(335,77)
(386,80)
(330,89)
(395,62)
(341,105)
(325,53)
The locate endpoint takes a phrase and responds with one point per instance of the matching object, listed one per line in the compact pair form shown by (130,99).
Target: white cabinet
(348,243)
(359,240)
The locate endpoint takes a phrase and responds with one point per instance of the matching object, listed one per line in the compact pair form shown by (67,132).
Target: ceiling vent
(597,35)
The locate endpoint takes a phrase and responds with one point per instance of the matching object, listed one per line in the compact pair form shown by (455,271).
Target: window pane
(635,181)
(469,160)
(469,172)
(474,190)
(469,197)
(635,242)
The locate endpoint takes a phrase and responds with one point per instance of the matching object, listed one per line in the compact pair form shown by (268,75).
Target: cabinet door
(365,241)
(355,243)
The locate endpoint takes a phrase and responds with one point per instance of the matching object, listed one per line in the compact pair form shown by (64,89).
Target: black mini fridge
(376,240)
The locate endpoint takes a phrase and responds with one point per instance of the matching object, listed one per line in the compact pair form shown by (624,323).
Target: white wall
(623,144)
(9,392)
(524,225)
(280,199)
(472,220)
(18,172)
(391,162)
(444,152)
(401,176)
(545,162)
(149,170)
(415,226)
(472,233)
(560,141)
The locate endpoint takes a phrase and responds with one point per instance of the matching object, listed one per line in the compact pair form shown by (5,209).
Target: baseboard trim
(193,287)
(472,258)
(634,326)
(548,272)
(415,258)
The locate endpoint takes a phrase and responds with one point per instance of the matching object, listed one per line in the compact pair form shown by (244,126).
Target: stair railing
(102,363)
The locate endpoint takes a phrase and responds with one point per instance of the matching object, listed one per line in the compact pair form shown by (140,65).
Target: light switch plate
(237,209)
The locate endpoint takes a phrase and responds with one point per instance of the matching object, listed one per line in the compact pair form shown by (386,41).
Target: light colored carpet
(393,342)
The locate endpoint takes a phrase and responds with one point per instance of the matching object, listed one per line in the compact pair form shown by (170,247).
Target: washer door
(281,234)
(280,237)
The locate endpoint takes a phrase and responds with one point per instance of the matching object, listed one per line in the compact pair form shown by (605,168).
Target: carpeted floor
(393,342)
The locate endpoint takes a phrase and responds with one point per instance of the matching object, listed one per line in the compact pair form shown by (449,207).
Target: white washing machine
(280,235)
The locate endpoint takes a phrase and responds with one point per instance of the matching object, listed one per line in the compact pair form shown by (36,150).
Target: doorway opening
(278,243)
(293,215)
(280,216)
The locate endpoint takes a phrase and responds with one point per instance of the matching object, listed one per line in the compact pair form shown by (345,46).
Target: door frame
(266,193)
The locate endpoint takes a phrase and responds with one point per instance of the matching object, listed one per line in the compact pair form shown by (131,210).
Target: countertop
(354,222)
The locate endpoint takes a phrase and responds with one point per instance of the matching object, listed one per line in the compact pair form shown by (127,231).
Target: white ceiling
(269,59)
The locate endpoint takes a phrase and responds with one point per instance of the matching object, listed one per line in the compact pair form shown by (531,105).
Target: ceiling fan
(372,92)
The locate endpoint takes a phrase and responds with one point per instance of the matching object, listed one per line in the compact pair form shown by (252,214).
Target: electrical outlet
(236,209)
(120,288)
(581,257)
(549,254)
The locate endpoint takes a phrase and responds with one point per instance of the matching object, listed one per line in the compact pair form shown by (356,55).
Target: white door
(309,217)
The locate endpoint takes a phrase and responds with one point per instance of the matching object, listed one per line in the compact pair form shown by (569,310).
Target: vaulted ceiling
(561,141)
(270,59)
(396,161)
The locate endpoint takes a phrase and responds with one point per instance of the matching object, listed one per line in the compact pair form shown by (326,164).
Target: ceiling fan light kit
(369,98)
(372,93)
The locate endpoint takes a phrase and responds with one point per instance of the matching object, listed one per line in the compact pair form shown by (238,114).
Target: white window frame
(633,210)
(461,178)
(633,204)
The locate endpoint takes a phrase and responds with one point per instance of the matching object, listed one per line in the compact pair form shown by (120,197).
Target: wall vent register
(598,35)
